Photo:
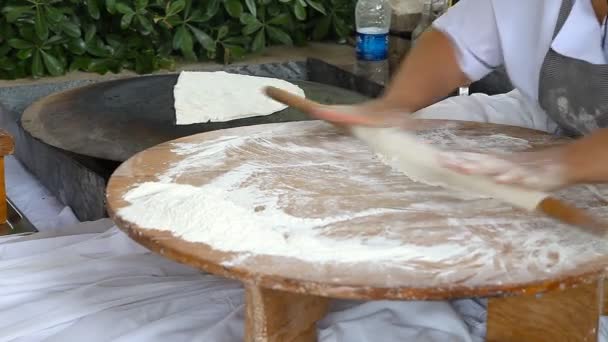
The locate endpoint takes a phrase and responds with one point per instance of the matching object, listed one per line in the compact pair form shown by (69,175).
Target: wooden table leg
(6,147)
(570,315)
(276,316)
(3,205)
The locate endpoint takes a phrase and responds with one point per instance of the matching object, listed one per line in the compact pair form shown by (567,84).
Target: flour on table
(300,190)
(220,96)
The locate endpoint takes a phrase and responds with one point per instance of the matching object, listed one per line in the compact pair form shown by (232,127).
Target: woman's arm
(429,73)
(582,161)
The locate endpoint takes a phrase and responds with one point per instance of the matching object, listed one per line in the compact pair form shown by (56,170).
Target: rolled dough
(419,161)
(221,96)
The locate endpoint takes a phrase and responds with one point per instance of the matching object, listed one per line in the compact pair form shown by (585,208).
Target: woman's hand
(542,170)
(582,161)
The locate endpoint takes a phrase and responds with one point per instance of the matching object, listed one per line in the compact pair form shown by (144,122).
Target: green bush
(50,37)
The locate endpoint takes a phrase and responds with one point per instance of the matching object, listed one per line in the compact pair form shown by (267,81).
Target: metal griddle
(114,120)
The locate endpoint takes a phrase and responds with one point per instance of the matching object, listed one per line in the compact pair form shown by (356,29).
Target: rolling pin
(389,143)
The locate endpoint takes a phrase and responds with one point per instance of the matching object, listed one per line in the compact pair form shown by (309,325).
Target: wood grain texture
(7,145)
(492,248)
(3,204)
(276,316)
(571,315)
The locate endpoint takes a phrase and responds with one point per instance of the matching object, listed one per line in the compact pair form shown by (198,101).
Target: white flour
(221,96)
(254,208)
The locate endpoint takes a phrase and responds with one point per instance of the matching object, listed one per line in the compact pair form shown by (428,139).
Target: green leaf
(273,10)
(259,42)
(213,6)
(80,63)
(100,66)
(146,25)
(341,28)
(279,35)
(41,26)
(183,41)
(251,28)
(175,7)
(282,19)
(247,19)
(144,63)
(4,49)
(37,67)
(27,33)
(17,43)
(232,52)
(111,6)
(70,29)
(240,40)
(77,46)
(126,20)
(25,53)
(123,8)
(90,32)
(321,29)
(251,7)
(317,6)
(233,7)
(93,9)
(203,38)
(222,32)
(299,11)
(53,40)
(141,5)
(12,13)
(96,48)
(54,14)
(53,65)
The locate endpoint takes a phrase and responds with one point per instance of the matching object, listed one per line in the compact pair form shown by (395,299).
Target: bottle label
(372,46)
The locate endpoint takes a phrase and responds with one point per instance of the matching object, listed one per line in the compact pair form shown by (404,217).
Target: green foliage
(51,37)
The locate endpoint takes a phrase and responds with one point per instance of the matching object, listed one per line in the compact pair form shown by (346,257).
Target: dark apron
(574,93)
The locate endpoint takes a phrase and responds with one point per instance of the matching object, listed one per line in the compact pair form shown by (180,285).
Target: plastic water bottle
(373,20)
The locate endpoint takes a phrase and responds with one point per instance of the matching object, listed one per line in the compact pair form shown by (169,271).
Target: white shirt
(518,34)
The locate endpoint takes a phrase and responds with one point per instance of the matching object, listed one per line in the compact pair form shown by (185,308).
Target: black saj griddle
(114,120)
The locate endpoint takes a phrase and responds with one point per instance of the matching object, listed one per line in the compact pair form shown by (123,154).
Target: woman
(554,52)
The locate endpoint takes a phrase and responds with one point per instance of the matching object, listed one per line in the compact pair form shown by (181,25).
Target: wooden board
(115,119)
(568,315)
(439,243)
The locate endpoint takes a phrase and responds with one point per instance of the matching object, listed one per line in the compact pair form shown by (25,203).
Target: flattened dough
(419,161)
(221,96)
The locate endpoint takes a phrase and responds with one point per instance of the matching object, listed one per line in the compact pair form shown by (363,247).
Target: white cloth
(513,109)
(93,282)
(518,34)
(43,210)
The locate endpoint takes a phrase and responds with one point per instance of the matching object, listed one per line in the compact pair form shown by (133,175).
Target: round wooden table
(348,226)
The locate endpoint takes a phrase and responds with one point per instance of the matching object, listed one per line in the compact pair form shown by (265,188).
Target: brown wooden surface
(571,315)
(3,207)
(6,147)
(501,250)
(276,316)
(7,144)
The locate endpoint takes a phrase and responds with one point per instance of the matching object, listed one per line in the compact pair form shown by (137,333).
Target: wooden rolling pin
(522,198)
